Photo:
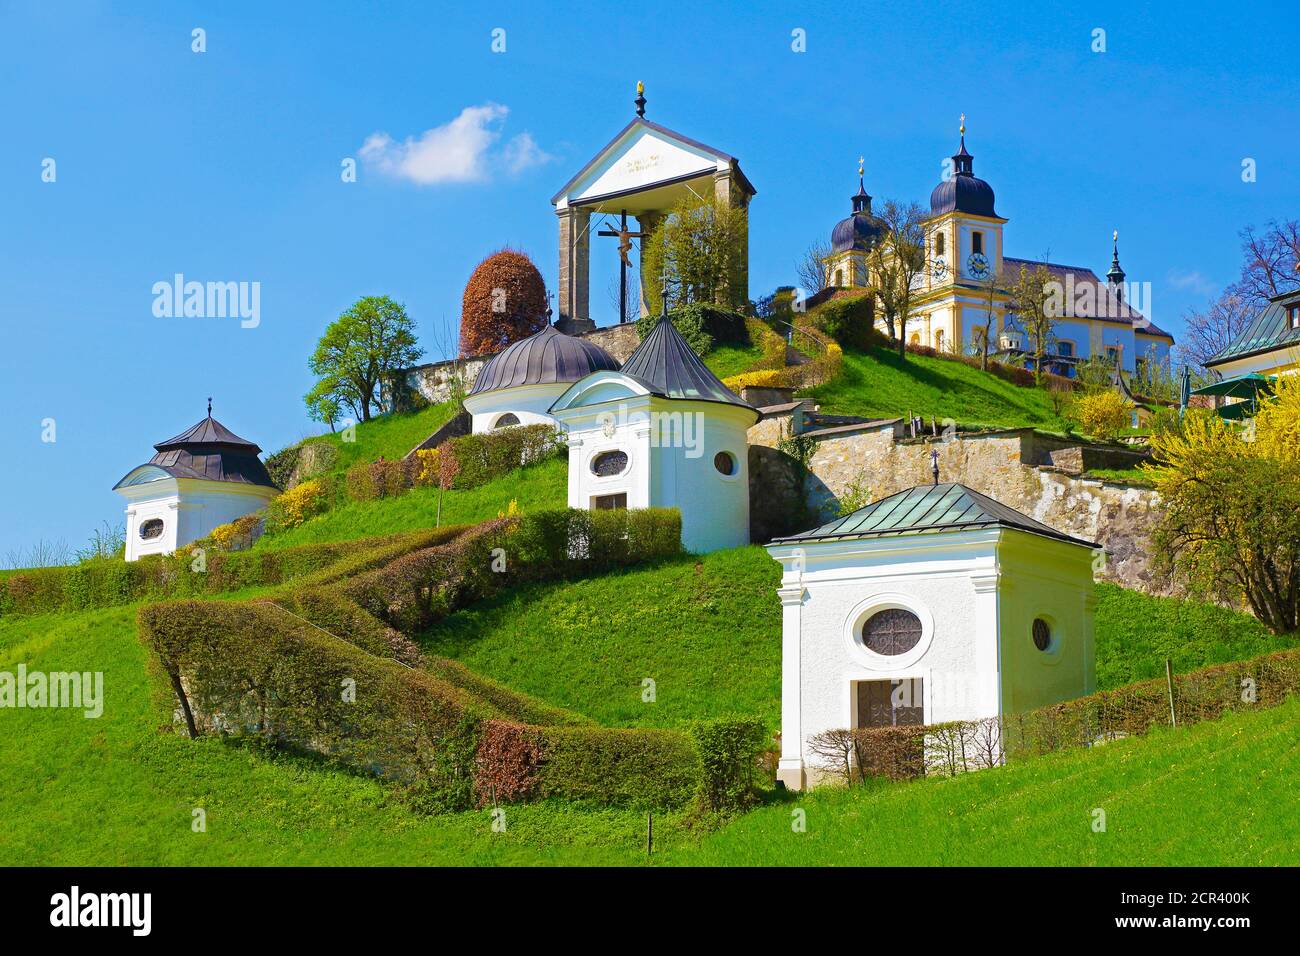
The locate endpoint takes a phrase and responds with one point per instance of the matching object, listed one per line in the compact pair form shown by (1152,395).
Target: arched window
(891,632)
(938,338)
(938,244)
(977,242)
(506,420)
(153,528)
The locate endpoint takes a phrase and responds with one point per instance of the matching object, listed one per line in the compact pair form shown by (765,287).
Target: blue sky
(225,165)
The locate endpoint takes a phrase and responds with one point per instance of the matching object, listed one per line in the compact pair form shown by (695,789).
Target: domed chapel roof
(542,358)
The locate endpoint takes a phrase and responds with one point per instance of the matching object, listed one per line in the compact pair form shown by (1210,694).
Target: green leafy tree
(359,355)
(894,263)
(698,250)
(323,401)
(1034,305)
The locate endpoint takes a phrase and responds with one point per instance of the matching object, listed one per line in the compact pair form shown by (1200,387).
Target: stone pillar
(574,276)
(790,768)
(726,190)
(647,222)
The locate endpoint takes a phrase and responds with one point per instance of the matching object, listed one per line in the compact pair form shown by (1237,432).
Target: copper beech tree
(504,301)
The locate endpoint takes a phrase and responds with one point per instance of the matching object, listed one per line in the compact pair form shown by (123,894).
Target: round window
(506,420)
(892,631)
(1042,634)
(725,462)
(609,463)
(151,529)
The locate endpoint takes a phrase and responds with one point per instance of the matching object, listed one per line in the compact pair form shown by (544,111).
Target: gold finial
(1114,236)
(963,124)
(640,87)
(861,168)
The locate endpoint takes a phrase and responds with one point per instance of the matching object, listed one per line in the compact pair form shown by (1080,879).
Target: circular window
(1042,632)
(609,463)
(151,529)
(506,420)
(725,462)
(891,632)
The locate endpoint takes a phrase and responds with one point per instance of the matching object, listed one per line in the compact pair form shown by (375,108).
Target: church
(963,255)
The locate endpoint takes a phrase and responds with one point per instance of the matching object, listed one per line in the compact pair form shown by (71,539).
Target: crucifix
(625,237)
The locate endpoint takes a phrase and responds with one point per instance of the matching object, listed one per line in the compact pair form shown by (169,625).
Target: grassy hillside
(539,486)
(388,436)
(725,359)
(877,384)
(708,632)
(1219,793)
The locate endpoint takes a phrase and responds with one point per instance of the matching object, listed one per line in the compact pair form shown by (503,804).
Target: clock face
(978,265)
(940,267)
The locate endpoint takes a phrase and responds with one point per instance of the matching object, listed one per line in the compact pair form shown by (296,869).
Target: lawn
(539,486)
(725,360)
(878,384)
(387,436)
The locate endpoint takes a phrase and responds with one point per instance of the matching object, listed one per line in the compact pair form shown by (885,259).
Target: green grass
(1136,632)
(1219,793)
(877,384)
(726,360)
(1128,476)
(387,436)
(539,486)
(706,630)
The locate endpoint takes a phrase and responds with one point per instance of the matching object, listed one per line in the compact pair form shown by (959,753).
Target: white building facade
(934,604)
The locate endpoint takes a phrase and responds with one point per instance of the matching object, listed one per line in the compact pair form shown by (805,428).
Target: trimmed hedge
(701,325)
(274,668)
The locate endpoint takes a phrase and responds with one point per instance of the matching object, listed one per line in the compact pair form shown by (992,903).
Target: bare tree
(811,269)
(1272,261)
(895,261)
(989,289)
(1032,300)
(1211,329)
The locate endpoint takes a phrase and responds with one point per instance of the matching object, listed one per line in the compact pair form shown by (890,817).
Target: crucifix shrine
(625,237)
(644,171)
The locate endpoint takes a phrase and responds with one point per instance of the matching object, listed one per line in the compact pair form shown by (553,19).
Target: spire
(209,406)
(1116,274)
(861,201)
(962,161)
(640,99)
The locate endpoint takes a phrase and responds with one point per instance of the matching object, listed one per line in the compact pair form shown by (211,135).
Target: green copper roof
(1269,330)
(929,509)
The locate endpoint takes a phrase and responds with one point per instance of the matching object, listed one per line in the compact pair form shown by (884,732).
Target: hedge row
(701,325)
(820,370)
(280,667)
(900,753)
(109,582)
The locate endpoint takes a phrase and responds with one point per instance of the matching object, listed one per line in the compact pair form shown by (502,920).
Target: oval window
(506,420)
(1042,632)
(725,462)
(891,632)
(151,529)
(609,463)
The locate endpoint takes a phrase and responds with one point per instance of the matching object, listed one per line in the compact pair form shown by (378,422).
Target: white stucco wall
(189,509)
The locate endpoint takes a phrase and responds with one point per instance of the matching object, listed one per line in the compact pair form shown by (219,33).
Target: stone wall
(1012,467)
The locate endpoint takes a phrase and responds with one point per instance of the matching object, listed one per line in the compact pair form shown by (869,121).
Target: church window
(725,462)
(938,338)
(892,631)
(977,242)
(1065,348)
(839,277)
(153,528)
(610,502)
(1293,316)
(609,463)
(938,244)
(890,703)
(506,420)
(1042,634)
(1112,354)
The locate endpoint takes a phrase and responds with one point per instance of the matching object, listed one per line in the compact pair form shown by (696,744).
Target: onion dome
(208,451)
(861,229)
(963,191)
(666,364)
(542,358)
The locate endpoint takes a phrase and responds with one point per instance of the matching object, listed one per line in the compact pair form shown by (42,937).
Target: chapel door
(890,703)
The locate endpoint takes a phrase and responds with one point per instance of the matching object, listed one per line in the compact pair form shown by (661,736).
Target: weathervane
(209,406)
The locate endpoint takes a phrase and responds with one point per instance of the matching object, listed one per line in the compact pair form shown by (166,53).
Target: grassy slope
(707,631)
(1221,793)
(876,383)
(726,360)
(116,791)
(389,436)
(536,487)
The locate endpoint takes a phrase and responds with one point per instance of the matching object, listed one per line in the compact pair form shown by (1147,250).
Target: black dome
(860,230)
(544,357)
(963,191)
(666,363)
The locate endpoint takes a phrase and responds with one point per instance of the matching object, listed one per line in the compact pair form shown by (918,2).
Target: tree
(697,252)
(361,352)
(504,301)
(989,289)
(1032,300)
(1231,521)
(1272,262)
(894,262)
(1103,414)
(323,401)
(811,269)
(1210,330)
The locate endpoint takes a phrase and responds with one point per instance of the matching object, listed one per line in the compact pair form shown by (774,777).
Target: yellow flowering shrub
(297,505)
(1103,414)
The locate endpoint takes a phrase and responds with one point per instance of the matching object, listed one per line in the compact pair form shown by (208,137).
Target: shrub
(729,750)
(616,766)
(488,455)
(295,506)
(849,318)
(239,534)
(504,301)
(1104,414)
(701,326)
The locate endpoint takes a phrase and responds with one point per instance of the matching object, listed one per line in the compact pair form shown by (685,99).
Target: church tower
(1115,277)
(851,239)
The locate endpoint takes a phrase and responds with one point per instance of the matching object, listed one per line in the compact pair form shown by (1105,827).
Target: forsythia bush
(1103,414)
(297,505)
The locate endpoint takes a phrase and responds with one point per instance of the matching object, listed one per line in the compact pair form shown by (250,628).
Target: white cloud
(1193,280)
(461,151)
